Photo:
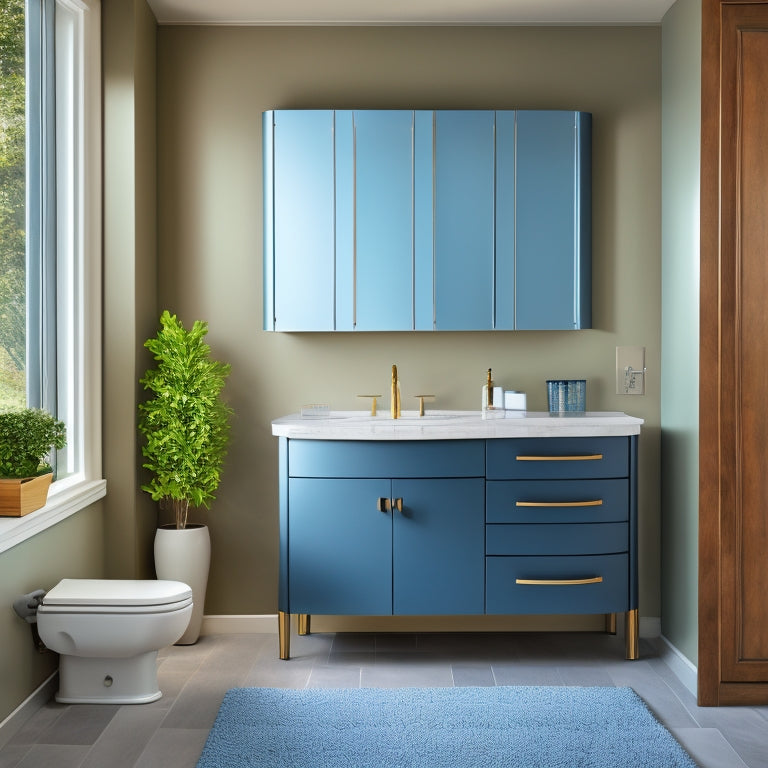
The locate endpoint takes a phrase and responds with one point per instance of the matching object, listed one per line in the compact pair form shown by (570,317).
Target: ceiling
(410,12)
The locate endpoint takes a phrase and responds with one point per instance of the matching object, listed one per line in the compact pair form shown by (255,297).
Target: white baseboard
(685,670)
(42,695)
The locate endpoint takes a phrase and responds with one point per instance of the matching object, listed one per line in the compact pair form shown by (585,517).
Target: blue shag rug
(493,727)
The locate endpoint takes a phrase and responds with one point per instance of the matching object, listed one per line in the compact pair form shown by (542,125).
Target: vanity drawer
(365,458)
(557,501)
(557,458)
(564,539)
(595,584)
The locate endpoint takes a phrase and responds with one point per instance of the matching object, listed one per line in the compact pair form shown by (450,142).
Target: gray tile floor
(171,732)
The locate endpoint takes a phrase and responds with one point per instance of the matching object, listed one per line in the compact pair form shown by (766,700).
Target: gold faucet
(394,407)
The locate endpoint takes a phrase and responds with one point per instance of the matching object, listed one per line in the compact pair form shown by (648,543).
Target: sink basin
(406,417)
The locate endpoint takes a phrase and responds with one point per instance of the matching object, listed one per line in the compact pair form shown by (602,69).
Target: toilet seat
(116,596)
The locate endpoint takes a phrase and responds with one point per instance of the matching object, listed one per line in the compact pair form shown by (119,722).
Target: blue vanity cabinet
(464,219)
(383,528)
(532,525)
(299,220)
(561,533)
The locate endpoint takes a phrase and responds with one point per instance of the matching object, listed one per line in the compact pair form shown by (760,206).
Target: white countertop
(454,425)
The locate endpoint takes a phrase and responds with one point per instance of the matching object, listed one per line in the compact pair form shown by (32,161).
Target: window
(12,204)
(50,224)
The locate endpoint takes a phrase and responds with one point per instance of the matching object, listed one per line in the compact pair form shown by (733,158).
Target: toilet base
(108,681)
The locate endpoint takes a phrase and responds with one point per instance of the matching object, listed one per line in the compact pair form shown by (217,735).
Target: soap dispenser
(492,398)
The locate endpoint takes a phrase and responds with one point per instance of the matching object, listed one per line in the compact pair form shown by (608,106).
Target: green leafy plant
(185,422)
(27,436)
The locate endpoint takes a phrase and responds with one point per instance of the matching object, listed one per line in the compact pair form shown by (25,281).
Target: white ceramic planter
(185,555)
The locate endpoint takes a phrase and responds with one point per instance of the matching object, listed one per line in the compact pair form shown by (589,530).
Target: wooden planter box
(20,497)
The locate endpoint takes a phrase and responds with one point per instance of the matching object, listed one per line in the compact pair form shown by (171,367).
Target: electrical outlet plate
(630,370)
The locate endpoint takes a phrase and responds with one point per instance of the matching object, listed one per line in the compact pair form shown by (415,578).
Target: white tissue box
(514,401)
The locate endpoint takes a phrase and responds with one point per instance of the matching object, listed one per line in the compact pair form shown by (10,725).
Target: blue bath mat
(494,727)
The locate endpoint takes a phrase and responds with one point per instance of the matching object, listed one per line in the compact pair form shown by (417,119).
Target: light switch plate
(630,370)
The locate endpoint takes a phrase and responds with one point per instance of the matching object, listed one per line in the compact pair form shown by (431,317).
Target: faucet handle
(373,402)
(421,402)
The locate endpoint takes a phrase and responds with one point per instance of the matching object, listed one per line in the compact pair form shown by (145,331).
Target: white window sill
(61,504)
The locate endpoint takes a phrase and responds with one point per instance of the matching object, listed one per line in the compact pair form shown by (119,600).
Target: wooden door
(733,533)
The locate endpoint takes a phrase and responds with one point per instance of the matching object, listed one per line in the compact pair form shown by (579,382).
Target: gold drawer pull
(591,457)
(593,503)
(558,582)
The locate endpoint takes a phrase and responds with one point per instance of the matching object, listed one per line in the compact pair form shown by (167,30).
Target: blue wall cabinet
(464,217)
(383,231)
(383,220)
(299,248)
(553,221)
(459,527)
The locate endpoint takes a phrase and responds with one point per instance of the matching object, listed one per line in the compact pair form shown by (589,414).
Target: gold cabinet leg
(304,622)
(610,623)
(284,634)
(632,634)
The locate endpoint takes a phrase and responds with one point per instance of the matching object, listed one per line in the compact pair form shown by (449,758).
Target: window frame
(76,345)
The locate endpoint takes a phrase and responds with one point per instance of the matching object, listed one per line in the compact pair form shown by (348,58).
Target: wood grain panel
(733,528)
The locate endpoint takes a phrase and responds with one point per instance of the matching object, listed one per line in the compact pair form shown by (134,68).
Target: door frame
(719,377)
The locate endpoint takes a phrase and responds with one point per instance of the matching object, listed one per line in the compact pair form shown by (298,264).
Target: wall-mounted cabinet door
(464,220)
(552,222)
(375,220)
(299,220)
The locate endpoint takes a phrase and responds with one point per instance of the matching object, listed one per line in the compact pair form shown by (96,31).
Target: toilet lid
(117,592)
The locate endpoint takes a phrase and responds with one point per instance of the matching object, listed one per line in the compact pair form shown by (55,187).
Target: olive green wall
(681,130)
(214,83)
(130,273)
(71,549)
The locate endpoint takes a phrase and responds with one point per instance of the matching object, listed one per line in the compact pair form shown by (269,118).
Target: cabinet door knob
(397,504)
(382,504)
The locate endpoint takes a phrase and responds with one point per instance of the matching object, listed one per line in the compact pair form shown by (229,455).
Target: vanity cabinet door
(552,222)
(339,547)
(464,220)
(299,220)
(438,547)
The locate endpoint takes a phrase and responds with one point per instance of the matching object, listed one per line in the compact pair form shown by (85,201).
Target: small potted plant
(185,425)
(27,437)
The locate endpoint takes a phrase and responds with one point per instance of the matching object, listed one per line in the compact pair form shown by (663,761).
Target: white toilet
(108,633)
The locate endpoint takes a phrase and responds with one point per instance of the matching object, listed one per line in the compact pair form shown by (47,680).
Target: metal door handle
(559,582)
(593,503)
(591,457)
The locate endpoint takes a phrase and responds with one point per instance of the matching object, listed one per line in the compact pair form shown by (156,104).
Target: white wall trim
(685,670)
(39,697)
(63,501)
